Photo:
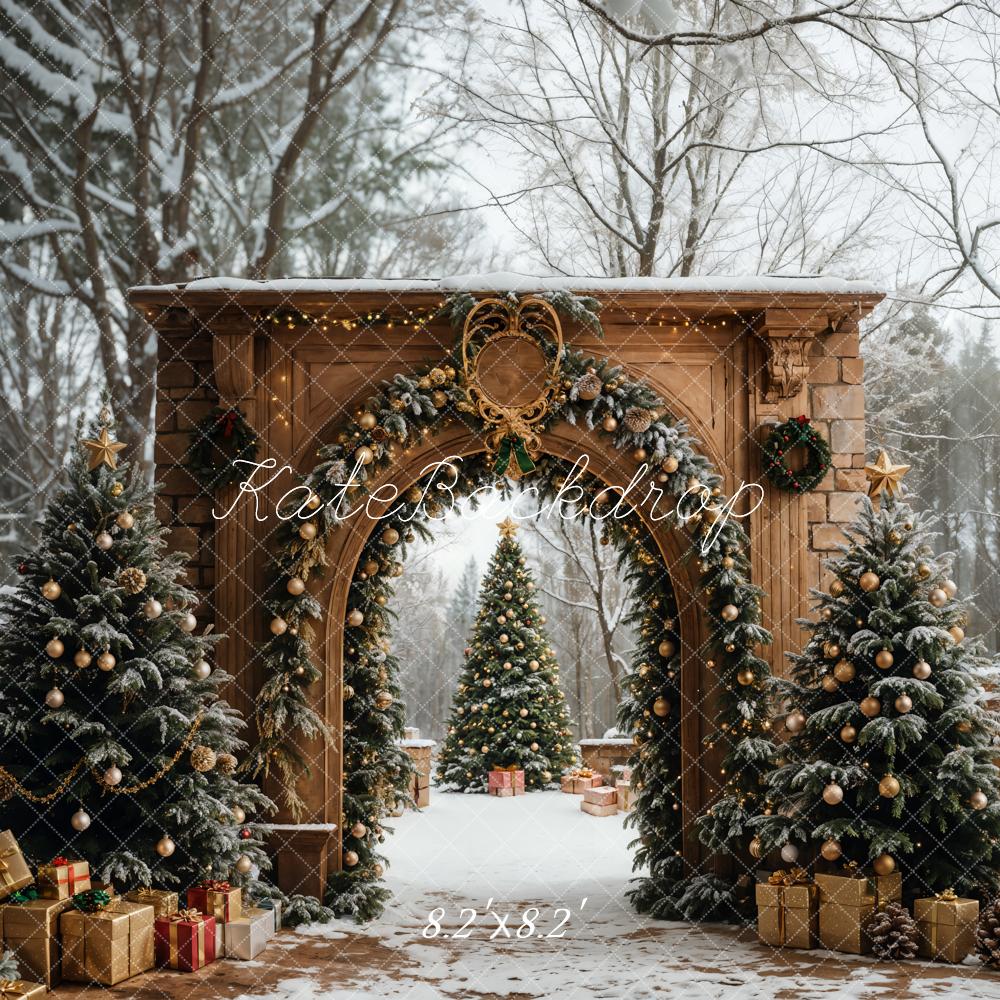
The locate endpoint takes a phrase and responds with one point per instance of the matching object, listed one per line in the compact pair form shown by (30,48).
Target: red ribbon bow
(59,860)
(213,885)
(228,421)
(802,419)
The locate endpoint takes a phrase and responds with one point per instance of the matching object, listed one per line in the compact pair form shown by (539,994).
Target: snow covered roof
(510,281)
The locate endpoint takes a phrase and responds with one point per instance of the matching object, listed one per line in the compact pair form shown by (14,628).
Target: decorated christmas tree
(114,744)
(508,708)
(891,757)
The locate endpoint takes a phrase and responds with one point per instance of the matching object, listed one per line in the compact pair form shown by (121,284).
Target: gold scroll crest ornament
(509,378)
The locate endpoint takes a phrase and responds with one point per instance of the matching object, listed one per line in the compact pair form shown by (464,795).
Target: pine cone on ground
(988,934)
(893,933)
(637,420)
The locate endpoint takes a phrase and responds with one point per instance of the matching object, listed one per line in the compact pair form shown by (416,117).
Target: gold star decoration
(883,475)
(103,449)
(507,527)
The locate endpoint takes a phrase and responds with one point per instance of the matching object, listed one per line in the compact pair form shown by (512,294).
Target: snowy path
(541,850)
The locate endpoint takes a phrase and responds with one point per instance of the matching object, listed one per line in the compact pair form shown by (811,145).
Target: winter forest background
(148,142)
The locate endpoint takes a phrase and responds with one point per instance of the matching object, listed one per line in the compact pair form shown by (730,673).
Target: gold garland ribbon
(16,788)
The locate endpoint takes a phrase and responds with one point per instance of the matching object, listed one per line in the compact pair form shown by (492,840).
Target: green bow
(515,444)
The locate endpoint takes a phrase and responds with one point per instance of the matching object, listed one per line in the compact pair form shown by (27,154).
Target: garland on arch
(401,415)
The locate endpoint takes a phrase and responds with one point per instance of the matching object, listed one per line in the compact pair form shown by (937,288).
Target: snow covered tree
(508,707)
(114,744)
(891,758)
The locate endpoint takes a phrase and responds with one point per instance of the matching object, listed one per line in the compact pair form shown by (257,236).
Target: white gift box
(247,936)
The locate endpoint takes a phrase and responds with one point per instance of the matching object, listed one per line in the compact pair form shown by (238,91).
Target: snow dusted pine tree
(508,708)
(114,744)
(891,759)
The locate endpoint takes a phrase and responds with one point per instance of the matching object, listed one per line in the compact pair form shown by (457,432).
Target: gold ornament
(610,424)
(125,521)
(106,661)
(508,528)
(295,586)
(383,699)
(795,721)
(103,541)
(165,846)
(844,671)
(667,649)
(238,815)
(359,830)
(308,531)
(203,758)
(833,794)
(884,864)
(829,683)
(957,634)
(868,581)
(745,677)
(55,648)
(82,658)
(640,455)
(112,776)
(921,670)
(117,489)
(103,450)
(904,704)
(244,864)
(132,580)
(51,590)
(55,698)
(188,622)
(355,618)
(888,787)
(950,588)
(729,612)
(367,421)
(756,848)
(661,706)
(226,763)
(390,536)
(884,475)
(848,734)
(830,849)
(80,820)
(836,588)
(152,608)
(965,726)
(978,800)
(938,597)
(278,626)
(923,571)
(884,659)
(351,858)
(831,650)
(870,707)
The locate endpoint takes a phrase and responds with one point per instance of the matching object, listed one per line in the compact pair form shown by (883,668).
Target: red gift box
(185,940)
(217,899)
(506,782)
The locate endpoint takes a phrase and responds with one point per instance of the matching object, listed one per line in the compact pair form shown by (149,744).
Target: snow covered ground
(497,858)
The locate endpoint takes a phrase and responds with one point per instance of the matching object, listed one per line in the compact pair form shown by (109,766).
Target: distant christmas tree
(508,707)
(114,745)
(891,759)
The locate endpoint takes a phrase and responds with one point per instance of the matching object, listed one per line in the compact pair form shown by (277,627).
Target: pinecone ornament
(203,758)
(637,420)
(588,385)
(132,580)
(988,935)
(893,933)
(226,763)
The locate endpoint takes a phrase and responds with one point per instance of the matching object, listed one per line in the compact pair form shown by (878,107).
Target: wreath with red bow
(218,441)
(792,434)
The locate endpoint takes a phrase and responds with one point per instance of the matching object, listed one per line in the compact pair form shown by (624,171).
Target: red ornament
(245,833)
(22,568)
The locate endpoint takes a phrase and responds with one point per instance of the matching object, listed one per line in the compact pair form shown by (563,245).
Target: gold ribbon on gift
(189,916)
(947,896)
(10,852)
(13,987)
(782,880)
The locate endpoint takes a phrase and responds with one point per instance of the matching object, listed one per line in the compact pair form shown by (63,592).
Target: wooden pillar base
(302,857)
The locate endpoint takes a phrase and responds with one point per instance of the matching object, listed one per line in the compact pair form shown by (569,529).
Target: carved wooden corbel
(787,363)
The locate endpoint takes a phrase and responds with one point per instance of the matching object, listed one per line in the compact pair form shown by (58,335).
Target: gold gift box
(163,901)
(31,931)
(20,989)
(108,946)
(14,871)
(946,925)
(846,902)
(63,881)
(787,915)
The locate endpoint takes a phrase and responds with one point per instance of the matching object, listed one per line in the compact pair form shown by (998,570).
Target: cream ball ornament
(789,854)
(938,597)
(165,846)
(978,800)
(55,698)
(152,609)
(355,618)
(239,816)
(729,612)
(833,794)
(187,622)
(80,820)
(278,626)
(795,721)
(103,541)
(950,588)
(112,776)
(202,669)
(921,670)
(295,586)
(244,864)
(125,521)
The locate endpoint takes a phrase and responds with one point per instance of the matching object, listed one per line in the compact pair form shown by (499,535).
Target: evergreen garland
(218,441)
(377,773)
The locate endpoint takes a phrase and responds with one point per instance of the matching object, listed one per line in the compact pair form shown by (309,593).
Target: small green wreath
(785,437)
(217,442)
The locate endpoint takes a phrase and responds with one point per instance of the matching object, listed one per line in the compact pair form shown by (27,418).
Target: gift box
(63,879)
(274,905)
(162,901)
(566,784)
(506,781)
(847,901)
(14,870)
(20,989)
(946,926)
(216,899)
(583,781)
(624,789)
(788,910)
(596,809)
(31,930)
(604,795)
(247,936)
(107,946)
(186,940)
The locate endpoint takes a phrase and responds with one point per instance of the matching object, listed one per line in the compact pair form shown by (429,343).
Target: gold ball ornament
(51,590)
(756,848)
(978,800)
(610,424)
(661,707)
(367,421)
(82,658)
(202,758)
(830,849)
(889,787)
(295,586)
(831,650)
(278,626)
(112,776)
(950,588)
(937,597)
(523,713)
(884,659)
(383,699)
(359,830)
(923,570)
(795,721)
(965,726)
(117,489)
(729,612)
(533,665)
(355,618)
(308,531)
(670,463)
(55,698)
(390,536)
(868,582)
(202,669)
(904,704)
(534,748)
(667,649)
(745,677)
(829,683)
(844,671)
(165,847)
(351,858)
(125,521)
(244,864)
(884,864)
(921,670)
(640,455)
(152,609)
(848,734)
(870,707)
(833,794)
(364,455)
(106,661)
(188,622)
(55,648)
(80,820)
(103,541)
(957,634)
(836,588)
(239,816)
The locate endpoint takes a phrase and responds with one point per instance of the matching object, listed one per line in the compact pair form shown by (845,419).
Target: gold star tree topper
(507,527)
(883,475)
(103,449)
